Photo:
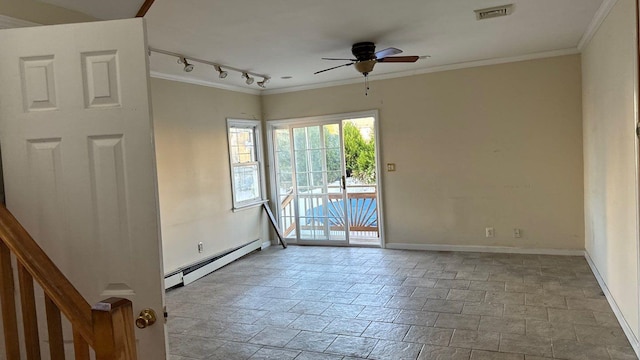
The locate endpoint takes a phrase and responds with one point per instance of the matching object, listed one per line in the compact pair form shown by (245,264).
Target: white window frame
(256,125)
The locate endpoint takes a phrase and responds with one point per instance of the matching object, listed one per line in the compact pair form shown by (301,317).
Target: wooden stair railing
(107,327)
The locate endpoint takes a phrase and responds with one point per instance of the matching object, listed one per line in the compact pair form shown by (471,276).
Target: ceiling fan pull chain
(366,85)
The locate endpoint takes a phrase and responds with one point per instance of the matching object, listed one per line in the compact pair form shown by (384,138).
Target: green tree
(353,145)
(359,154)
(367,163)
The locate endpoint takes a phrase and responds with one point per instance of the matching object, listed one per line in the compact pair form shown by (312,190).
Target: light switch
(391,167)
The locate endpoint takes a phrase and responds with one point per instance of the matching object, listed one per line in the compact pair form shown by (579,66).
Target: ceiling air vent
(493,12)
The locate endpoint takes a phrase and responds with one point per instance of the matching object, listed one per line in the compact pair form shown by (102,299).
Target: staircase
(103,331)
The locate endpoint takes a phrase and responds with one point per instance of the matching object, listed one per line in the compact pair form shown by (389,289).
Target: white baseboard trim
(265,245)
(173,280)
(224,260)
(635,343)
(493,249)
(184,277)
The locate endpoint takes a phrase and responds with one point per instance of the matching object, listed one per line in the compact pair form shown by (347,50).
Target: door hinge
(165,313)
(638,130)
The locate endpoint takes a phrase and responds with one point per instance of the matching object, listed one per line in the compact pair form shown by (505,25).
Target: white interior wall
(610,148)
(495,146)
(193,171)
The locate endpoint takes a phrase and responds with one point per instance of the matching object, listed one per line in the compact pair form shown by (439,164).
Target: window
(245,157)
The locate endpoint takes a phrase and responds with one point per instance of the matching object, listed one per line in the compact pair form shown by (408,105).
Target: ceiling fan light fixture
(365,67)
(249,80)
(366,57)
(187,67)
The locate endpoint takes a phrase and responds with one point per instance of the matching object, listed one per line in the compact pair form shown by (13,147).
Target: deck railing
(107,327)
(361,207)
(287,214)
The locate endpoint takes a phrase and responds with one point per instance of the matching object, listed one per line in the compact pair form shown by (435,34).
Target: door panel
(362,182)
(79,161)
(309,168)
(283,158)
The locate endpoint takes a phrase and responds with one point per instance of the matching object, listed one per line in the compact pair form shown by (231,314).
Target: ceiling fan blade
(400,59)
(339,59)
(387,52)
(331,68)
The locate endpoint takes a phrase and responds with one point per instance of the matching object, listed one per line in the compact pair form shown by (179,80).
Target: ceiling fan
(366,57)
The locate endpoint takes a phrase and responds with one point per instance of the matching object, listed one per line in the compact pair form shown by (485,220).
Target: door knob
(147,318)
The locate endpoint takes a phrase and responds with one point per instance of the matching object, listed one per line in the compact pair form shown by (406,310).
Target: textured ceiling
(281,38)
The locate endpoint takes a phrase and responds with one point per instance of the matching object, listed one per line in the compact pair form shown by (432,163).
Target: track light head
(221,74)
(187,67)
(263,83)
(249,80)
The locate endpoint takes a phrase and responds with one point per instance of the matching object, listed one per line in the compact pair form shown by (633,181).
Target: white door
(79,161)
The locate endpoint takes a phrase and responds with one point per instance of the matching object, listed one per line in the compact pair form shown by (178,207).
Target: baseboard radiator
(193,272)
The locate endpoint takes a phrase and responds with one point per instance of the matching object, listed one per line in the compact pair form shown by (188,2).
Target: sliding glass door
(325,181)
(310,182)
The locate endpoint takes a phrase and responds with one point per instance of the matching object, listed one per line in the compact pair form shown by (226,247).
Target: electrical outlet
(200,247)
(489,232)
(517,233)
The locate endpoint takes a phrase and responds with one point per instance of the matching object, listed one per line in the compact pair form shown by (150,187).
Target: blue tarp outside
(335,213)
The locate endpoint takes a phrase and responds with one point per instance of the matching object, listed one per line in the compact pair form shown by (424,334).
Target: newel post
(113,330)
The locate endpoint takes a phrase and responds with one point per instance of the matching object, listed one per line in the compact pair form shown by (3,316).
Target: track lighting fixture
(187,67)
(263,83)
(248,76)
(249,80)
(221,74)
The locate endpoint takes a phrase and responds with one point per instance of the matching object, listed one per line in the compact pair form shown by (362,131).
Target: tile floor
(308,303)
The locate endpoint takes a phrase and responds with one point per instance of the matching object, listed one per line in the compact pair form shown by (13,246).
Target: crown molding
(184,79)
(457,66)
(597,20)
(7,22)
